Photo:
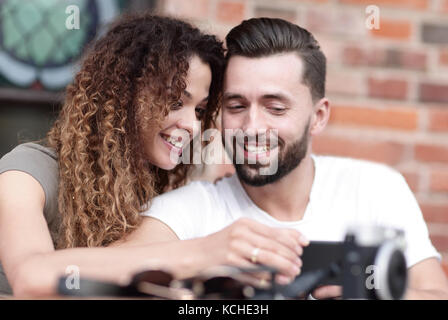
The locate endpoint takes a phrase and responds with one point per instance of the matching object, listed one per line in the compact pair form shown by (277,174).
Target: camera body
(368,264)
(373,264)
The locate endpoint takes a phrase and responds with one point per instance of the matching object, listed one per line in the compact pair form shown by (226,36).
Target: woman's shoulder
(35,159)
(32,149)
(40,162)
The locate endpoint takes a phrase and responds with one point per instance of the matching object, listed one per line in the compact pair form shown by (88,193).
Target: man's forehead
(291,58)
(272,72)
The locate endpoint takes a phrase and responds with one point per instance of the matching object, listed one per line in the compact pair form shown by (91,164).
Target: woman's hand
(246,243)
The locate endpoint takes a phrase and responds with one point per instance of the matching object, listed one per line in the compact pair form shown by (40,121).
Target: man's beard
(287,161)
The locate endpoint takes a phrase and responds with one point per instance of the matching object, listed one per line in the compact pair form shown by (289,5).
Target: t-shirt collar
(241,195)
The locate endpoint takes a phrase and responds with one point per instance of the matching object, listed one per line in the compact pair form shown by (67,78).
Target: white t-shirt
(345,192)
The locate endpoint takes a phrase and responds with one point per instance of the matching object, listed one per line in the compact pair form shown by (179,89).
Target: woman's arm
(279,248)
(33,266)
(31,263)
(23,229)
(37,274)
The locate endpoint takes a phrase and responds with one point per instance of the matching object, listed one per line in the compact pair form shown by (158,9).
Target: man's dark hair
(260,37)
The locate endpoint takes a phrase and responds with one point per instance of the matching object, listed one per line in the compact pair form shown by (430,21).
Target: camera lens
(397,275)
(392,277)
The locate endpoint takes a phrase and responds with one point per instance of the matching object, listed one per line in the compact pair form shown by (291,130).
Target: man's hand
(246,243)
(426,281)
(327,292)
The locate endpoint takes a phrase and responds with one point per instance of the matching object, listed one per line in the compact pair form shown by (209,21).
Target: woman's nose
(188,121)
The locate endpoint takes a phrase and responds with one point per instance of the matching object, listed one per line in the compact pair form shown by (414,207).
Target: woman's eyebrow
(187,94)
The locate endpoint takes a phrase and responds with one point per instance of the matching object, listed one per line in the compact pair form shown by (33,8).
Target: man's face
(263,96)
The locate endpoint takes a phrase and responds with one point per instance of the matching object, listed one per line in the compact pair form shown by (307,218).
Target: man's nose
(254,120)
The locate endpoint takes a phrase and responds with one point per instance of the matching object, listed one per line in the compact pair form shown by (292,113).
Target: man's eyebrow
(230,96)
(269,96)
(276,96)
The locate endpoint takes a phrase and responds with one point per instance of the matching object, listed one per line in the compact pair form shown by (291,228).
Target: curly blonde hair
(105,180)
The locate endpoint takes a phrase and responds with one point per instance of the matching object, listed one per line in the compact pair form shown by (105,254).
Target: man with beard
(274,92)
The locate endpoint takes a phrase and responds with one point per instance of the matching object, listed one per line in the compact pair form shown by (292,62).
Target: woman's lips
(170,146)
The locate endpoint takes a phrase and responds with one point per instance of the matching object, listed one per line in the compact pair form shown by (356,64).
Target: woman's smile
(173,143)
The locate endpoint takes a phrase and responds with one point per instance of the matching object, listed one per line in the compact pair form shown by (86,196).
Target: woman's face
(165,143)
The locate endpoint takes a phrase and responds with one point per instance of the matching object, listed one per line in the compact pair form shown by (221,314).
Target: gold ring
(255,253)
(263,283)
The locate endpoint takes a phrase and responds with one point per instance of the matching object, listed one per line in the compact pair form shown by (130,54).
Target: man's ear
(320,117)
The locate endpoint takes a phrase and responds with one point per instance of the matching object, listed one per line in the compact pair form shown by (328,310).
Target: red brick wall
(388,88)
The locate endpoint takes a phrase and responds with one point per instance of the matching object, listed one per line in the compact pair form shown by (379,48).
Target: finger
(273,246)
(288,237)
(326,292)
(301,239)
(284,280)
(259,279)
(281,264)
(263,279)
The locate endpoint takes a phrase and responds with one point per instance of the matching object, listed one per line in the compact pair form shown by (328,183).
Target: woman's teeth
(255,149)
(174,141)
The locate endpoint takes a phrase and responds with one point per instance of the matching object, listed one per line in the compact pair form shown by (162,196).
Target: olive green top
(41,163)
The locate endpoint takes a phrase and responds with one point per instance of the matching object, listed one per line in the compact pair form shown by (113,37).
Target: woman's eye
(200,112)
(177,105)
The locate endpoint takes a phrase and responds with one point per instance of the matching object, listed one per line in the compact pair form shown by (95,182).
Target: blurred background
(388,86)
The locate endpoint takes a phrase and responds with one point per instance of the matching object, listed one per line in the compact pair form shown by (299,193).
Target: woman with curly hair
(66,201)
